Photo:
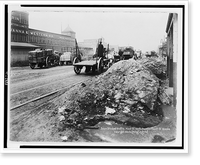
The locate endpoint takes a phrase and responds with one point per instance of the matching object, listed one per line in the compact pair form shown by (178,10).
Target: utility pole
(61,27)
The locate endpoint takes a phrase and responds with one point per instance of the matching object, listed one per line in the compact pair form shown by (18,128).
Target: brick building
(47,40)
(25,39)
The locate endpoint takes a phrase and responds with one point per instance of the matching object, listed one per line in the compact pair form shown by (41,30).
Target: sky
(142,30)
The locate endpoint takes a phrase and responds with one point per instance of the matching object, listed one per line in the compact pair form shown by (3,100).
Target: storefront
(19,53)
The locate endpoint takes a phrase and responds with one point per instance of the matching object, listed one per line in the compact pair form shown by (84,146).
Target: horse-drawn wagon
(97,64)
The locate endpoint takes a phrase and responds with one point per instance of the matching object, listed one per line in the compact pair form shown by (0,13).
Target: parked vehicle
(66,58)
(43,58)
(117,57)
(128,53)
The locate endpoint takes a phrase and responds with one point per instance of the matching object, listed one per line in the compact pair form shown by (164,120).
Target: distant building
(92,43)
(162,49)
(172,52)
(24,39)
(47,40)
(69,32)
(114,48)
(89,43)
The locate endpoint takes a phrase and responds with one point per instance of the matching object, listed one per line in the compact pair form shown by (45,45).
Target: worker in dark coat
(100,50)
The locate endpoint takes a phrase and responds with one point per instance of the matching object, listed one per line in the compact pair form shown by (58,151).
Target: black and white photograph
(96,76)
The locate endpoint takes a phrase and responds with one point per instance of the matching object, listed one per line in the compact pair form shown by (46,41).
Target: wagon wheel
(77,69)
(48,62)
(32,66)
(100,65)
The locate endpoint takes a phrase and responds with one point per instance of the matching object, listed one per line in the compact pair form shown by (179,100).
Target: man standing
(100,50)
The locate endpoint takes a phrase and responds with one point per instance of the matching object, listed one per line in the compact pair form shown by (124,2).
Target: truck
(43,58)
(128,53)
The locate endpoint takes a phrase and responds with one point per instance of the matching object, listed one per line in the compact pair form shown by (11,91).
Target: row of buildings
(25,39)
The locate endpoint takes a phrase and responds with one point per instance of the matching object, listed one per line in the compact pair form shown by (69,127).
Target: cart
(99,62)
(66,58)
(96,66)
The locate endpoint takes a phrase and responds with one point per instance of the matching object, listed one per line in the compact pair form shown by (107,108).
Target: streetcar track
(46,95)
(39,84)
(38,87)
(15,78)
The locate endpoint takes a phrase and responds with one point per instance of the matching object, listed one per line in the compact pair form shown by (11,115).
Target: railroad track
(47,94)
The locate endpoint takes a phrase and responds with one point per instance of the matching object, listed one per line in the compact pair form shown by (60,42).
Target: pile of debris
(126,93)
(157,65)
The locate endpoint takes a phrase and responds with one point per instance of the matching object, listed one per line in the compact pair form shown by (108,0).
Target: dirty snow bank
(127,93)
(158,66)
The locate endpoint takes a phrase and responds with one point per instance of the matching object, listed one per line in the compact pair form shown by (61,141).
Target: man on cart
(98,63)
(100,50)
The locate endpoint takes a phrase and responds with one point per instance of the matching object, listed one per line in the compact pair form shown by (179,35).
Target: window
(18,37)
(12,38)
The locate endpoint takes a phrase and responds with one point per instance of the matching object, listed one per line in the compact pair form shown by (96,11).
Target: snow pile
(127,93)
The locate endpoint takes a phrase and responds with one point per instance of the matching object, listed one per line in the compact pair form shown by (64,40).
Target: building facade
(19,38)
(25,39)
(19,26)
(172,52)
(46,40)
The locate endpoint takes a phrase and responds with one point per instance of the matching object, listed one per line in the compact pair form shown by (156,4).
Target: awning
(22,44)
